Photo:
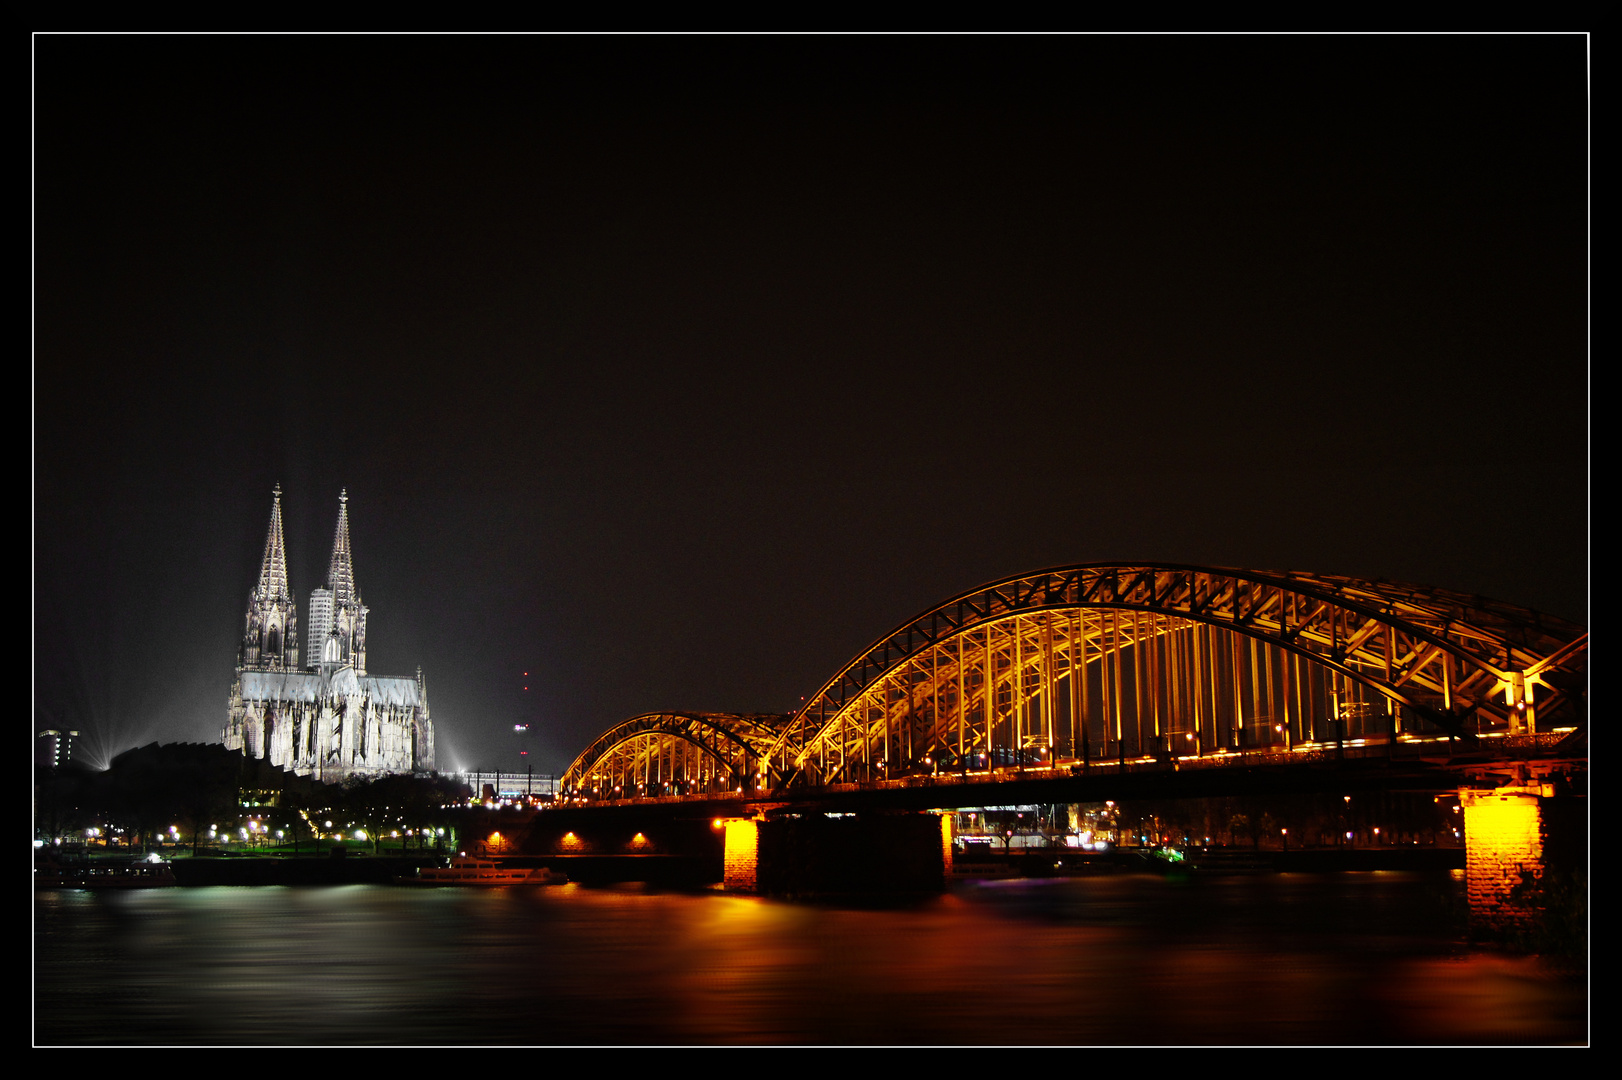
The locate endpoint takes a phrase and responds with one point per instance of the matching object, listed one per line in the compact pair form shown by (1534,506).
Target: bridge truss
(1100,662)
(673,754)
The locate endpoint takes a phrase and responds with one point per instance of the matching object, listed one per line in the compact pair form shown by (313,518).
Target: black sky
(675,370)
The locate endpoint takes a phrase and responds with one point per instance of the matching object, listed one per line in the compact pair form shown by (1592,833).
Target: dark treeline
(199,795)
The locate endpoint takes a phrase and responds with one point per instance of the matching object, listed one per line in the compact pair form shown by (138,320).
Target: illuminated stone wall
(1519,843)
(331,724)
(741,857)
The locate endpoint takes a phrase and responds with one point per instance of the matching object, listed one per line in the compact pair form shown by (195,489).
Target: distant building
(328,719)
(509,785)
(53,748)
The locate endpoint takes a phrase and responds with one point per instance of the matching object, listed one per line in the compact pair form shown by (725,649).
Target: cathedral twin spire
(341,571)
(273,570)
(324,717)
(270,639)
(346,639)
(338,618)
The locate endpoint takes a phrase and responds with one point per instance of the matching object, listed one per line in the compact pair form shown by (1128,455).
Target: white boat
(465,870)
(151,872)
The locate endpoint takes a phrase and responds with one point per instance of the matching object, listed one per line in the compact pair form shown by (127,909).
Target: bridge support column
(742,855)
(806,855)
(1523,857)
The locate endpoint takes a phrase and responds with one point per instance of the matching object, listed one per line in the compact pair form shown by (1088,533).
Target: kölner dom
(328,719)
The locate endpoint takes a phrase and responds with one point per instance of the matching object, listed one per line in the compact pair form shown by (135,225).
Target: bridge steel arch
(1111,660)
(673,753)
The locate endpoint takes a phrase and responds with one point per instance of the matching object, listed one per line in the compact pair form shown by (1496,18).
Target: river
(1133,959)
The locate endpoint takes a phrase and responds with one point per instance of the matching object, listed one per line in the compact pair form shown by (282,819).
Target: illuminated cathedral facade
(326,718)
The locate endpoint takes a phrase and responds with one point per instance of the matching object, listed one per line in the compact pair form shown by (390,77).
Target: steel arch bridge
(674,754)
(1103,662)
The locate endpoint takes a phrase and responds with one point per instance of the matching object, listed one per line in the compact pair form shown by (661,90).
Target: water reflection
(1348,958)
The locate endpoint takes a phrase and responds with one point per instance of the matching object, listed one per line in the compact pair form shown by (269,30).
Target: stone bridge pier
(869,854)
(1525,858)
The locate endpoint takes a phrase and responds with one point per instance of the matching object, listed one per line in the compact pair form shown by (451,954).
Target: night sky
(673,371)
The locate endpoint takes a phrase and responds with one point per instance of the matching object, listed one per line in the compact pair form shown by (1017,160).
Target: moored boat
(465,870)
(151,872)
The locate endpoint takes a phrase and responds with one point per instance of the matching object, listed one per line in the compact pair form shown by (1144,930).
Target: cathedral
(328,719)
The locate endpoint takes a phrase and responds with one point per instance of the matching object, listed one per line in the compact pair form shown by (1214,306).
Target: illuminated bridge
(1099,670)
(1112,682)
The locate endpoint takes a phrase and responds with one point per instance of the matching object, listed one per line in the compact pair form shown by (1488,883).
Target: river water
(1137,959)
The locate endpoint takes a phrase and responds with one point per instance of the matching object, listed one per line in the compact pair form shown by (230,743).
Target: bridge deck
(1418,764)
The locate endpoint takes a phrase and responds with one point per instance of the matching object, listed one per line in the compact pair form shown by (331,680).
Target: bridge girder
(674,749)
(1139,659)
(1462,663)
